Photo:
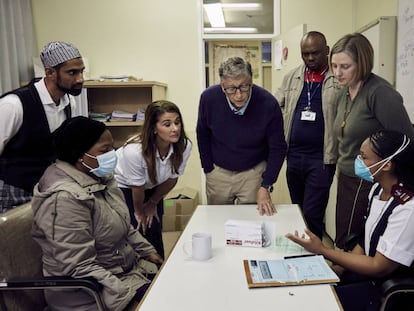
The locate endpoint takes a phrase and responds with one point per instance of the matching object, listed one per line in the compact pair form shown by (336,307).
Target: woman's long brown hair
(148,137)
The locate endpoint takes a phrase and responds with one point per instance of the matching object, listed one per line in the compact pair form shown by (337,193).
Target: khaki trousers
(228,187)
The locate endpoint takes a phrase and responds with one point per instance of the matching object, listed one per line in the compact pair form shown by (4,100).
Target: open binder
(288,272)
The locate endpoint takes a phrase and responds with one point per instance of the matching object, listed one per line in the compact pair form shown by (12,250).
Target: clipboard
(288,272)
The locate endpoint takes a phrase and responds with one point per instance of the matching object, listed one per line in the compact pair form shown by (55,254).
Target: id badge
(308,115)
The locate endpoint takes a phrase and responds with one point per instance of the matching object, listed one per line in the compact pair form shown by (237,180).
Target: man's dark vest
(30,151)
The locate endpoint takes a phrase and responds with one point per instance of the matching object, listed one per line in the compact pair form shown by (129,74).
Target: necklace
(163,154)
(319,77)
(346,114)
(349,98)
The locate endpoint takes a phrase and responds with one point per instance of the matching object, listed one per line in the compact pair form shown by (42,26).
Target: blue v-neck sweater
(240,142)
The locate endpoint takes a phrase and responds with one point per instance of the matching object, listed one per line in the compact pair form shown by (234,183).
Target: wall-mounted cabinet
(109,96)
(382,33)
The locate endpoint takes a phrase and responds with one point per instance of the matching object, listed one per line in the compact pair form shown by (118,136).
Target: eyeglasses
(233,89)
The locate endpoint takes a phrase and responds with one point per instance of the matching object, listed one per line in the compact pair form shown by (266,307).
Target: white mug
(200,246)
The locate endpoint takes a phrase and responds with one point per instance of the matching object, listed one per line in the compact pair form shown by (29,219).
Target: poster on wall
(277,54)
(249,53)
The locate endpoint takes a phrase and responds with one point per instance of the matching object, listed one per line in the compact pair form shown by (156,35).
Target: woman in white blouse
(386,248)
(149,165)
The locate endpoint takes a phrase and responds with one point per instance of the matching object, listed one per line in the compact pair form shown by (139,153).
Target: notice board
(405,54)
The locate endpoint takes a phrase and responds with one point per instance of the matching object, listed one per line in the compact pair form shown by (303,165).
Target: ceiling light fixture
(215,14)
(241,6)
(230,30)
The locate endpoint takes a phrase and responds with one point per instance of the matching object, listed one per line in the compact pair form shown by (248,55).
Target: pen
(299,256)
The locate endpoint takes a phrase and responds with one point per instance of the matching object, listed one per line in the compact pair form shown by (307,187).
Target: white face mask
(107,163)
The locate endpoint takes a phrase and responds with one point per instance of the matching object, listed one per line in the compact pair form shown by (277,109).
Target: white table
(220,283)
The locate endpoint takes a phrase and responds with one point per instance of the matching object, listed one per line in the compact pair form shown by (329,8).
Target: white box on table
(245,233)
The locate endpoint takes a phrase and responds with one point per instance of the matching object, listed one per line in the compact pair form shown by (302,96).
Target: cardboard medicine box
(245,233)
(181,201)
(174,222)
(179,205)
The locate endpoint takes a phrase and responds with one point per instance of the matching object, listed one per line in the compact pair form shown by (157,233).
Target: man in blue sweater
(240,139)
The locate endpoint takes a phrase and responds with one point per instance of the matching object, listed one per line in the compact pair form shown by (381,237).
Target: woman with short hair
(368,103)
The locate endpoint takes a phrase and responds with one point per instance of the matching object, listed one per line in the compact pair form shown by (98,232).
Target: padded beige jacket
(83,228)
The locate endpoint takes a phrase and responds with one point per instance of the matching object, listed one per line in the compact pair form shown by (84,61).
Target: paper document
(285,246)
(286,272)
(118,115)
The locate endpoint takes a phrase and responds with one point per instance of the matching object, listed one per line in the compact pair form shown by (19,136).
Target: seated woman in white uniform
(386,248)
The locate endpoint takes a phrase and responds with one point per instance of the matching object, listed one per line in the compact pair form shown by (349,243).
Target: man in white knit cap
(29,116)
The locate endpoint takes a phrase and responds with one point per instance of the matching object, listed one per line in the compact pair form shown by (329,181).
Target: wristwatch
(267,187)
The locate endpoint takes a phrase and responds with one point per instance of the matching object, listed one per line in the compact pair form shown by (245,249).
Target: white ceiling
(262,20)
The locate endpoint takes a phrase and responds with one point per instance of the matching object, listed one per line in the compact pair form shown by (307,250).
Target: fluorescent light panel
(241,6)
(230,30)
(215,14)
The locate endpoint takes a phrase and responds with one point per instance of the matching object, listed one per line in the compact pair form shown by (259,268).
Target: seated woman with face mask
(82,223)
(386,248)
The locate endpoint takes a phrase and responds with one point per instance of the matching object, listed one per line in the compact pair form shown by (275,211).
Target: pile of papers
(119,78)
(118,115)
(140,115)
(286,272)
(115,116)
(100,116)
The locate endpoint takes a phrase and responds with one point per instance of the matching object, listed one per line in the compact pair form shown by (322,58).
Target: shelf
(129,96)
(124,123)
(106,83)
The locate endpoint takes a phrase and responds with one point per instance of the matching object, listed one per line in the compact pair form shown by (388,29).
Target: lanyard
(308,88)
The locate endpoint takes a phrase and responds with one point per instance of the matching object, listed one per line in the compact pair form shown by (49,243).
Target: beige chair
(21,279)
(20,257)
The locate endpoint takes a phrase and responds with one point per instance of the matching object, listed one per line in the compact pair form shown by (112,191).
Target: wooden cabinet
(108,96)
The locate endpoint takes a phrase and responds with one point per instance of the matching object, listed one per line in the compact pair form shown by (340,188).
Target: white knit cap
(58,52)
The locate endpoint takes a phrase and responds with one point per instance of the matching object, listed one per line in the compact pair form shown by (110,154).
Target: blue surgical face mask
(361,170)
(107,163)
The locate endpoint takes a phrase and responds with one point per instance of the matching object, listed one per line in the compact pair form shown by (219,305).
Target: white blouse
(132,169)
(397,242)
(11,116)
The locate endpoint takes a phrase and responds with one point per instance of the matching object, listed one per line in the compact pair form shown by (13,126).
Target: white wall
(154,40)
(331,17)
(368,10)
(334,18)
